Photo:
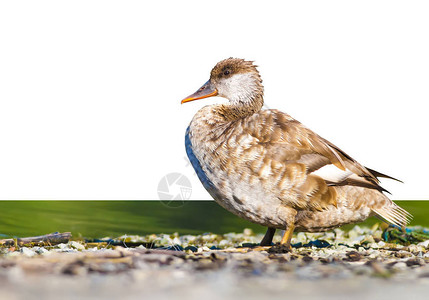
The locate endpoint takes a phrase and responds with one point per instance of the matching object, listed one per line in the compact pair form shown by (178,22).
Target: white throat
(239,88)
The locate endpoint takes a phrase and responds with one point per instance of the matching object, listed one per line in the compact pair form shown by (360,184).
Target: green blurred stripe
(96,219)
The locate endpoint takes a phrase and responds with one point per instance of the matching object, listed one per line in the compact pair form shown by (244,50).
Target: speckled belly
(248,201)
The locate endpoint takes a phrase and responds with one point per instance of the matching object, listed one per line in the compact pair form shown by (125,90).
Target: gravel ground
(356,264)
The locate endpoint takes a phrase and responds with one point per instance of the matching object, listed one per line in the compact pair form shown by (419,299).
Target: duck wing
(303,168)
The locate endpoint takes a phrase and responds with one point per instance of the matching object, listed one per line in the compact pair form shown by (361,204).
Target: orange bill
(207,90)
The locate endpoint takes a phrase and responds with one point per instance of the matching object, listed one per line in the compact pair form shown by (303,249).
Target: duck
(268,168)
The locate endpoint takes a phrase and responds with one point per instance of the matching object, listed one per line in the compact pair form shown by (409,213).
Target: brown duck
(268,168)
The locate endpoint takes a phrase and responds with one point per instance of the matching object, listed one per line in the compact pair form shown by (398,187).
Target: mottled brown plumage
(268,168)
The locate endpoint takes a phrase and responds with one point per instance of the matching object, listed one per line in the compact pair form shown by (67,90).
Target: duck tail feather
(394,214)
(378,174)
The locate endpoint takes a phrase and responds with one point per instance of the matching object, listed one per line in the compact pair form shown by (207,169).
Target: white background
(90,90)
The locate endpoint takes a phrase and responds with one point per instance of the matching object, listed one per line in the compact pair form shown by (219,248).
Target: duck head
(235,79)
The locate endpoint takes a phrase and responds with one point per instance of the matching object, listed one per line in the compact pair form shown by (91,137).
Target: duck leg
(268,237)
(287,236)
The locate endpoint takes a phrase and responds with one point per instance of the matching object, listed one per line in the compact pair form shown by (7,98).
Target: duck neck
(241,108)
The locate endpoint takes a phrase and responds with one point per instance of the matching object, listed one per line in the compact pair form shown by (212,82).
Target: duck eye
(226,72)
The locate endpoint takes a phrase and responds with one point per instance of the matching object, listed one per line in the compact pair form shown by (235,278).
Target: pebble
(41,250)
(399,266)
(424,244)
(248,232)
(76,245)
(62,246)
(301,238)
(27,251)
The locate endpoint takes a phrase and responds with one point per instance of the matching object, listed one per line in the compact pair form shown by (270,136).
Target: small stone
(403,254)
(381,244)
(41,250)
(374,254)
(424,244)
(378,236)
(27,252)
(63,246)
(203,249)
(77,245)
(415,248)
(400,266)
(415,262)
(279,248)
(223,243)
(301,237)
(307,259)
(248,232)
(353,256)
